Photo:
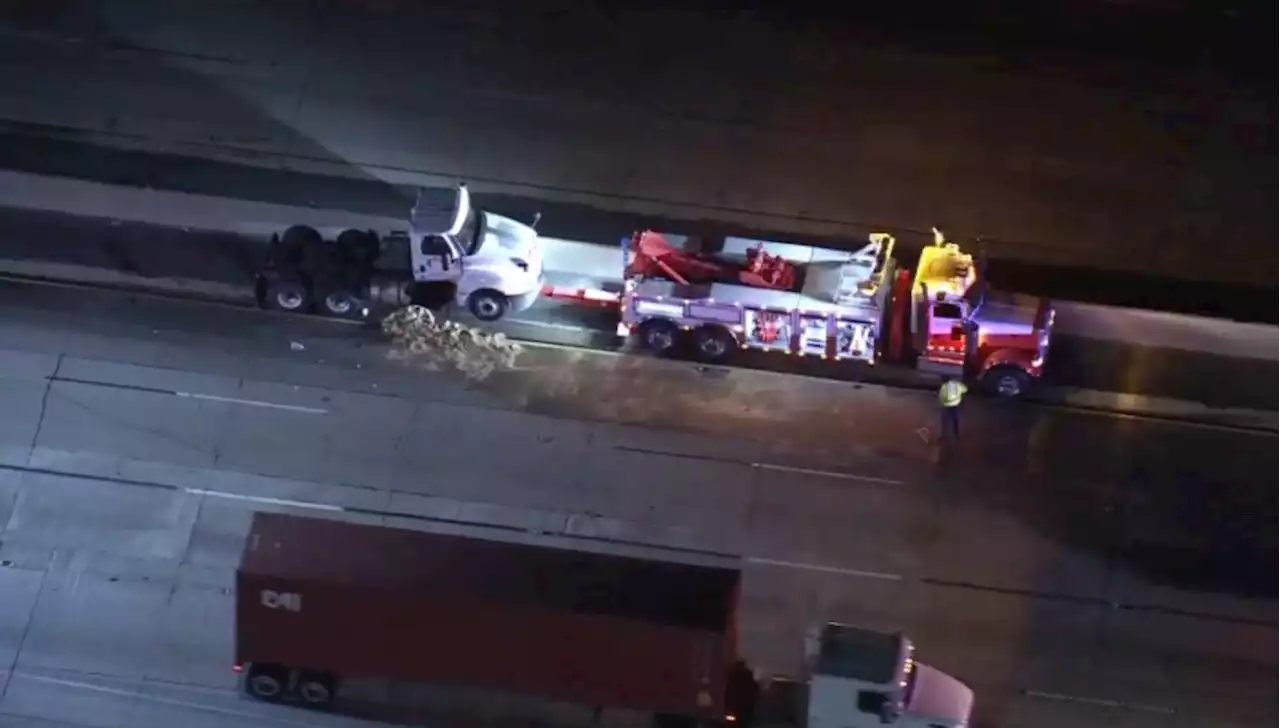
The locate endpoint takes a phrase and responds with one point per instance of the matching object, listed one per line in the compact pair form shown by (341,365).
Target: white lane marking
(254,403)
(758,560)
(1101,702)
(266,499)
(548,325)
(826,474)
(141,696)
(838,570)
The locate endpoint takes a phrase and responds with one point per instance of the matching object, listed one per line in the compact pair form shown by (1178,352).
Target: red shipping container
(571,626)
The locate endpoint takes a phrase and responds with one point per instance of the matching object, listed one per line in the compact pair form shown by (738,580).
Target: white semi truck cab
(861,678)
(494,261)
(488,263)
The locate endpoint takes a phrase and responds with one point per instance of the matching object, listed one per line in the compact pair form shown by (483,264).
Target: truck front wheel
(1006,382)
(487,305)
(288,296)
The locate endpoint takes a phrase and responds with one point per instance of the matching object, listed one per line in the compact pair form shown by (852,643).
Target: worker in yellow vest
(950,395)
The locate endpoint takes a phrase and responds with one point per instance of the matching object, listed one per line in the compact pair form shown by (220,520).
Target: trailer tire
(316,690)
(290,296)
(660,336)
(713,344)
(487,305)
(266,682)
(1006,381)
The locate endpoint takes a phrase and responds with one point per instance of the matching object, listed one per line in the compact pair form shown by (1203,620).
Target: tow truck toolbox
(318,600)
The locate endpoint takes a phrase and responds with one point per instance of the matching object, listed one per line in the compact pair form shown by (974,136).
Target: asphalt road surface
(812,136)
(1221,365)
(137,436)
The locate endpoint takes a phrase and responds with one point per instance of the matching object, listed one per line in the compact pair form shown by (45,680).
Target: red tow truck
(682,294)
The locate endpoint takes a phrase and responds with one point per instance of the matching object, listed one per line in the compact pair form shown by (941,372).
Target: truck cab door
(434,260)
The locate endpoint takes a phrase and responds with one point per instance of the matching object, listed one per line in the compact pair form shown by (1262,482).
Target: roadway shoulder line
(1100,702)
(761,466)
(837,570)
(266,500)
(826,474)
(150,291)
(253,403)
(191,395)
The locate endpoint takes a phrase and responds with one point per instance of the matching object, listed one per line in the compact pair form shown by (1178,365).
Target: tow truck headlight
(521,263)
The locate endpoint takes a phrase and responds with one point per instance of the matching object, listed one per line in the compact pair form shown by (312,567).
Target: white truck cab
(494,262)
(860,678)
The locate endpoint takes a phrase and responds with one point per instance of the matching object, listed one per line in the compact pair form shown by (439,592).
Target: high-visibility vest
(950,394)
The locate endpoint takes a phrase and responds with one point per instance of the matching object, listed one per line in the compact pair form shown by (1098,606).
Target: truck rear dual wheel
(290,296)
(1006,382)
(710,344)
(340,304)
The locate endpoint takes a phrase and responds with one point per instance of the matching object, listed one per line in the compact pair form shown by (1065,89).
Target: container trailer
(319,601)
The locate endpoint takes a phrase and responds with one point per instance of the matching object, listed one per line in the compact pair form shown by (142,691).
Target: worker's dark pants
(951,421)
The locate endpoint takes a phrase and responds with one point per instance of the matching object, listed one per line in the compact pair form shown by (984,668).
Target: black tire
(487,305)
(713,344)
(290,296)
(1006,382)
(340,304)
(301,246)
(358,248)
(661,337)
(267,683)
(316,690)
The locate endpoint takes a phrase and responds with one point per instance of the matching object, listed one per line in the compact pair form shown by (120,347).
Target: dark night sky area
(1147,40)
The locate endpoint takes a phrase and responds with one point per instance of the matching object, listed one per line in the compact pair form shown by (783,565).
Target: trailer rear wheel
(1006,382)
(287,296)
(265,682)
(316,690)
(713,344)
(659,336)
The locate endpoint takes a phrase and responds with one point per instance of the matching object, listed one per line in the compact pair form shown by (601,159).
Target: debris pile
(418,337)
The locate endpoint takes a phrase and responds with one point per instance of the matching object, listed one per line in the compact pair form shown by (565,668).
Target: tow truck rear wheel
(1006,382)
(660,337)
(487,305)
(288,296)
(713,344)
